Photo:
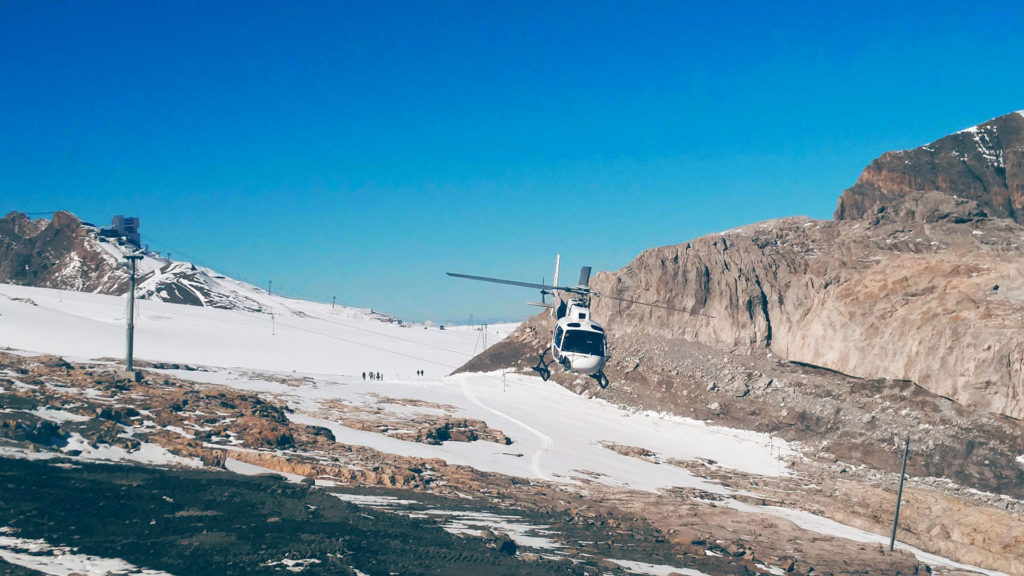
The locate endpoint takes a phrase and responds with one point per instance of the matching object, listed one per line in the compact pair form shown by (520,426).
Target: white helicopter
(578,343)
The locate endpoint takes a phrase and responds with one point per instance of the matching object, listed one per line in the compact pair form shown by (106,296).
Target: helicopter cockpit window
(558,337)
(583,342)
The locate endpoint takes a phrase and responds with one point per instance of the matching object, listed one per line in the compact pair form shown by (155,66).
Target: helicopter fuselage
(578,343)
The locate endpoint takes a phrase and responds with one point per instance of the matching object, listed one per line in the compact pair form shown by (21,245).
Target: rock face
(984,163)
(60,253)
(64,253)
(918,278)
(927,292)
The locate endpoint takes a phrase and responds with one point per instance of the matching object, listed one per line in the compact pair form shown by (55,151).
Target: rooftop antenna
(132,259)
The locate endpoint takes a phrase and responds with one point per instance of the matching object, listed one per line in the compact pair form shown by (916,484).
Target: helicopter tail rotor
(543,300)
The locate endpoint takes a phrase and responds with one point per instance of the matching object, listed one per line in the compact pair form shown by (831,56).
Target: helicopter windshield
(583,342)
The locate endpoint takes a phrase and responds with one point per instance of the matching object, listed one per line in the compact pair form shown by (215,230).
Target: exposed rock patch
(427,427)
(60,253)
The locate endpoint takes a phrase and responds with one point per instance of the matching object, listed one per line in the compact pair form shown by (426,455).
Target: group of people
(379,376)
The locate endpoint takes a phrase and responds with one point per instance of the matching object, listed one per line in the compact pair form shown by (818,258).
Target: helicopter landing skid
(542,366)
(602,380)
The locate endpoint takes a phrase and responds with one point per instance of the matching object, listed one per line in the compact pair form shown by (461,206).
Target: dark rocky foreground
(202,522)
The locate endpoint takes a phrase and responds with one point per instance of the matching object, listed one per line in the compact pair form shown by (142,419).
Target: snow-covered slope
(281,334)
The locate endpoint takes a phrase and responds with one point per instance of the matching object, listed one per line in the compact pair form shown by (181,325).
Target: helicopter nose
(587,364)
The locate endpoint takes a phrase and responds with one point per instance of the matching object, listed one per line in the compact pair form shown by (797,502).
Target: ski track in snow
(546,442)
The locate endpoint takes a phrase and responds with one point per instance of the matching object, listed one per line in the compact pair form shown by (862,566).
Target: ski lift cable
(391,336)
(365,345)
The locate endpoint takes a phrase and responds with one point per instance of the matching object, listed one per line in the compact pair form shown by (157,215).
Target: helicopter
(578,342)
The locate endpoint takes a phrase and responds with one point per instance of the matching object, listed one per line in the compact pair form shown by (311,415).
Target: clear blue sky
(362,150)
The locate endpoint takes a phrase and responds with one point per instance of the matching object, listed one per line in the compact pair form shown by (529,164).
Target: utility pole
(899,494)
(132,259)
(485,336)
(270,286)
(333,298)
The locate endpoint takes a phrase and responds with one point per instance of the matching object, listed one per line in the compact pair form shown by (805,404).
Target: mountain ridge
(66,253)
(984,163)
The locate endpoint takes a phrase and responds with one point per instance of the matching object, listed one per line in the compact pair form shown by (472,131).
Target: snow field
(307,336)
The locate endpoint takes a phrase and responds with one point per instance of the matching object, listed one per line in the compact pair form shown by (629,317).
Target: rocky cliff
(67,254)
(59,253)
(984,163)
(928,292)
(918,278)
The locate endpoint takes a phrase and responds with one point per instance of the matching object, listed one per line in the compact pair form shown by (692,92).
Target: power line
(365,345)
(393,337)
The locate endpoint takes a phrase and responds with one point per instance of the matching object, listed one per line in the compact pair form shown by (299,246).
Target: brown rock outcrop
(908,296)
(66,254)
(984,163)
(59,253)
(929,290)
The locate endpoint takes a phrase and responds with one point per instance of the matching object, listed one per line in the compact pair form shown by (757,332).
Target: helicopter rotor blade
(585,276)
(653,305)
(511,282)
